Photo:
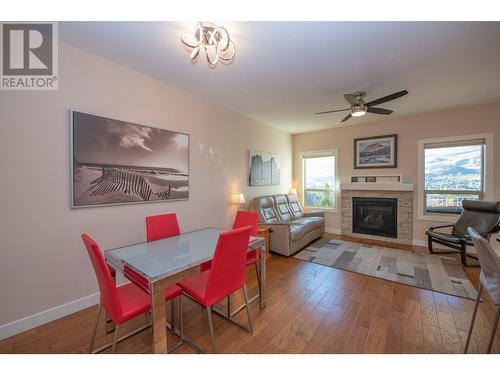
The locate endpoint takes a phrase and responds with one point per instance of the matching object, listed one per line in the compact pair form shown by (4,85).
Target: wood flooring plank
(449,334)
(395,334)
(413,334)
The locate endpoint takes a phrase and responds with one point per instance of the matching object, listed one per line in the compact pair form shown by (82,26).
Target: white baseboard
(419,242)
(38,319)
(332,230)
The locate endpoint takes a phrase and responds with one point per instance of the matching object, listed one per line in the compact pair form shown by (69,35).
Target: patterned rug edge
(382,278)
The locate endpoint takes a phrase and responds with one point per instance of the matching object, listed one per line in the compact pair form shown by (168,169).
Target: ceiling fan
(359,107)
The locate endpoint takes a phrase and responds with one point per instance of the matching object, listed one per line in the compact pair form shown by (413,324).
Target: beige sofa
(292,228)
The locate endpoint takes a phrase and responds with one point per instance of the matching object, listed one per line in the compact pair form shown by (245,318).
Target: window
(318,179)
(453,171)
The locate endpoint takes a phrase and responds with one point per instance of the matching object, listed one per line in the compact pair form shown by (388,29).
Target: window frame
(320,153)
(486,177)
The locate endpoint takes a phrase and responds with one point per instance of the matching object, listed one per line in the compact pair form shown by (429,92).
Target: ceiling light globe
(358,112)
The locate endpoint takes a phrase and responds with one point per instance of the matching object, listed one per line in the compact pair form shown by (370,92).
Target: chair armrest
(441,226)
(316,213)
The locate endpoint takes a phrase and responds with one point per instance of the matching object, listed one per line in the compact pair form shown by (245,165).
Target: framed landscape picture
(376,152)
(118,162)
(263,168)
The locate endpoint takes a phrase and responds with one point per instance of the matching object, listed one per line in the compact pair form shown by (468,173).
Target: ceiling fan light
(358,112)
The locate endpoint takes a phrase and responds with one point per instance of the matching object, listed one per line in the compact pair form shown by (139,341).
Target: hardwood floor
(310,309)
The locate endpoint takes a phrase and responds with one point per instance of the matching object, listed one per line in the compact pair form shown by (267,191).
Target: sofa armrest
(316,213)
(279,238)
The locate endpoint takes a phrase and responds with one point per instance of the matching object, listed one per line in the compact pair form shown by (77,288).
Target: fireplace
(375,216)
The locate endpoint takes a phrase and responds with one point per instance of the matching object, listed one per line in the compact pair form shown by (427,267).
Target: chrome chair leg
(247,308)
(174,325)
(172,316)
(473,319)
(115,339)
(211,325)
(493,330)
(257,271)
(95,329)
(181,320)
(110,325)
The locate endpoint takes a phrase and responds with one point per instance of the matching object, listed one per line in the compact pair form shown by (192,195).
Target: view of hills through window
(319,181)
(451,175)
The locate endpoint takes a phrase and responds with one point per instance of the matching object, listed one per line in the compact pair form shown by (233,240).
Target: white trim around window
(487,171)
(311,154)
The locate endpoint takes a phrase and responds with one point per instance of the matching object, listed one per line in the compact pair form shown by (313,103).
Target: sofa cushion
(265,207)
(281,205)
(310,223)
(294,205)
(297,231)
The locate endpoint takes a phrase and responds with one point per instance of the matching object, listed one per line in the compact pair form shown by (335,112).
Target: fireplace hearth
(375,216)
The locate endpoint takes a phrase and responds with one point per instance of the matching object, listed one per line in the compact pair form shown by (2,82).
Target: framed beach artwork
(263,168)
(118,162)
(376,152)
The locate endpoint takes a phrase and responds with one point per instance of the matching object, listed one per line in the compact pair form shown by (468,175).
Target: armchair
(483,216)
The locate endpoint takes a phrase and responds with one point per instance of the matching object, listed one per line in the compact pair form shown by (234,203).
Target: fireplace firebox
(375,216)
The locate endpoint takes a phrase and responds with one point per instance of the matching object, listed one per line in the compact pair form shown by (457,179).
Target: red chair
(159,227)
(123,303)
(226,275)
(243,219)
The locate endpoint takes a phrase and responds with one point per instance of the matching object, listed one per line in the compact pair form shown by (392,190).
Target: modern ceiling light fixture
(214,40)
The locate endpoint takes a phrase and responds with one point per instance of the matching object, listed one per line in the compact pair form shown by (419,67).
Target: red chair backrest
(161,226)
(109,295)
(247,218)
(227,273)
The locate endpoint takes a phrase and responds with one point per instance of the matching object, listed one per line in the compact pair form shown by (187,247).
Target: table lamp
(238,199)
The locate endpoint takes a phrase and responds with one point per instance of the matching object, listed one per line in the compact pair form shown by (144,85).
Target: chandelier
(214,40)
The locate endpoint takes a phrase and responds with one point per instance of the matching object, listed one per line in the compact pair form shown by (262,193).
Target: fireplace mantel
(380,186)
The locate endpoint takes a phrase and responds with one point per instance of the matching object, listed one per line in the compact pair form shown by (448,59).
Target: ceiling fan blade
(335,110)
(387,98)
(351,99)
(346,118)
(379,111)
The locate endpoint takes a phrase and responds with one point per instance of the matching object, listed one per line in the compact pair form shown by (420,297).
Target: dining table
(157,260)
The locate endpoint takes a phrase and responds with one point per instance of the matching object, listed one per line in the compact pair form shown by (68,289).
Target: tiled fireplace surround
(404,213)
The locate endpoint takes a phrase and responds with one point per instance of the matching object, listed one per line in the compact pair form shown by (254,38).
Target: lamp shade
(238,198)
(293,191)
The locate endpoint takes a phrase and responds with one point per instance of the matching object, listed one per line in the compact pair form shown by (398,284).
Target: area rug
(439,273)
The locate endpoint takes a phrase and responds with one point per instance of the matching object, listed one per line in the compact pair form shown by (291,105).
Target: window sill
(444,218)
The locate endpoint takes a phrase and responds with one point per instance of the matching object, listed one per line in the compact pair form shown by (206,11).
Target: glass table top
(158,259)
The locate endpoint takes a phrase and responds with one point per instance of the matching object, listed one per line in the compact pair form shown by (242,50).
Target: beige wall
(43,263)
(453,122)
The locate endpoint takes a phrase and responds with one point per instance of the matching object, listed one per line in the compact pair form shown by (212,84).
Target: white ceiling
(286,71)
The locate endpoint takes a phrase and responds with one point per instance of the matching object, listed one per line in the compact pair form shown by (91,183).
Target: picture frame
(376,152)
(116,162)
(263,168)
